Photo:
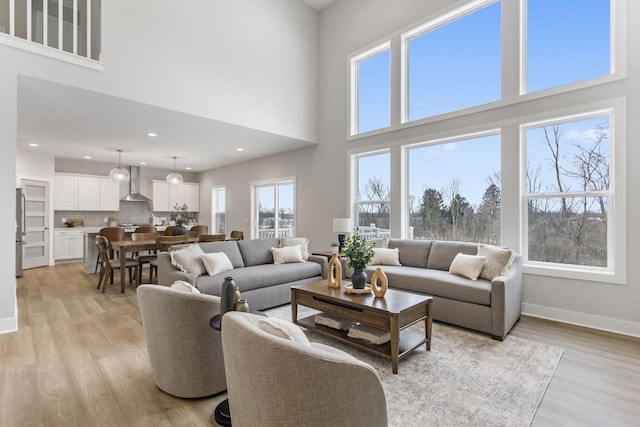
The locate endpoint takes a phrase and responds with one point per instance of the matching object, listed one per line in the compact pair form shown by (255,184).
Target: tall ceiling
(96,125)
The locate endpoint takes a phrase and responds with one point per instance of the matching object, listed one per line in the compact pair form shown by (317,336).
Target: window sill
(576,273)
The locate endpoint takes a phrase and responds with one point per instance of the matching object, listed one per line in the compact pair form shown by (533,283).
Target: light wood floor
(79,359)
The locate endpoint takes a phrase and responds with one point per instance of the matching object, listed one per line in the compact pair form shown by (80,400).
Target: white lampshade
(341,225)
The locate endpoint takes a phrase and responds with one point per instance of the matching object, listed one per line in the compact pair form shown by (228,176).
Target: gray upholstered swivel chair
(273,381)
(184,351)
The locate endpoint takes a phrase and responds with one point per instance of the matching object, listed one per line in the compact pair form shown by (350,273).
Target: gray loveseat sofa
(262,283)
(490,306)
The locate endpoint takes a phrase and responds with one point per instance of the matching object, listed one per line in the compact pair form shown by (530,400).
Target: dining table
(125,246)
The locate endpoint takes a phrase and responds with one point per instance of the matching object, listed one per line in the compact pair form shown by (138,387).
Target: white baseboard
(607,324)
(8,325)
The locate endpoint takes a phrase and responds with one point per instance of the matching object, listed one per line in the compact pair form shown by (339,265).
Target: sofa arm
(506,299)
(168,274)
(322,260)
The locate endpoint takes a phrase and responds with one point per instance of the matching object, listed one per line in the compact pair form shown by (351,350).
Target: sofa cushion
(260,276)
(413,253)
(443,252)
(292,241)
(287,254)
(257,251)
(436,283)
(468,266)
(496,261)
(230,248)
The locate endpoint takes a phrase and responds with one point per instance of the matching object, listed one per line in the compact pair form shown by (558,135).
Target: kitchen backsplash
(130,213)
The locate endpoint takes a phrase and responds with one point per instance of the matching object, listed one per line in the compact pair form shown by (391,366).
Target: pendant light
(119,175)
(174,179)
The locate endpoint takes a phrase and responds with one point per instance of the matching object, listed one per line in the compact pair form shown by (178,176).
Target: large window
(373,197)
(455,64)
(371,81)
(218,210)
(454,190)
(274,213)
(567,41)
(569,191)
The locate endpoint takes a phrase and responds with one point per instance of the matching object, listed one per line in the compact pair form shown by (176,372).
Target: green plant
(357,251)
(335,244)
(180,215)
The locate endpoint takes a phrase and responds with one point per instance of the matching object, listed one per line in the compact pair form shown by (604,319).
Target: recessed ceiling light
(33,144)
(239,149)
(152,134)
(188,168)
(143,163)
(86,157)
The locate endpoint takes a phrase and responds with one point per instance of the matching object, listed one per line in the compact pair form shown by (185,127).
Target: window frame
(616,271)
(354,107)
(255,219)
(214,208)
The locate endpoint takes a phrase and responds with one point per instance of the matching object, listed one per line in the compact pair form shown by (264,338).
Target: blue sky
(458,66)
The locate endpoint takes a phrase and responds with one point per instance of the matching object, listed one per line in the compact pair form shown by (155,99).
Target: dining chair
(145,258)
(169,230)
(163,243)
(198,230)
(212,237)
(110,265)
(112,234)
(238,235)
(146,229)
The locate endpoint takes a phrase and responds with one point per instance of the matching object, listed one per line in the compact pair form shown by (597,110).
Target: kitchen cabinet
(160,196)
(85,193)
(68,244)
(109,195)
(165,198)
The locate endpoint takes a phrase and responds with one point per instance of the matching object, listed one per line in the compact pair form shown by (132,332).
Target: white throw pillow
(468,266)
(216,263)
(189,259)
(287,254)
(385,256)
(284,329)
(181,285)
(292,241)
(497,261)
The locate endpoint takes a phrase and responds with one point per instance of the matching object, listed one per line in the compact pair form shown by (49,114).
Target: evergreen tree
(431,210)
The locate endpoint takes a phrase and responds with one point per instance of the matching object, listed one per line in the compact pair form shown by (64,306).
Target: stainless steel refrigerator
(20,233)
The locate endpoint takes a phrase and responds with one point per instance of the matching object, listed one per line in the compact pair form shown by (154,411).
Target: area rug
(467,379)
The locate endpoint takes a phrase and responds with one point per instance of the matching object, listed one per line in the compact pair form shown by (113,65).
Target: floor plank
(79,358)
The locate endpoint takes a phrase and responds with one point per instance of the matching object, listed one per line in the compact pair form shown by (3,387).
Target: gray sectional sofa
(490,306)
(263,283)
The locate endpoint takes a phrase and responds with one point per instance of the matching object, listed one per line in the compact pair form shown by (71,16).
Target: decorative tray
(348,287)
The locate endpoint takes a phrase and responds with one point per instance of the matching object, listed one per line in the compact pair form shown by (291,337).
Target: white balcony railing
(57,28)
(270,233)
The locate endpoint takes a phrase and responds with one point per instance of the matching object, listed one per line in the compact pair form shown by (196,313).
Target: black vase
(179,230)
(227,296)
(358,278)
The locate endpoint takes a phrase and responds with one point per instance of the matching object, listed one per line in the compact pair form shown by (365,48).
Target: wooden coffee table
(394,312)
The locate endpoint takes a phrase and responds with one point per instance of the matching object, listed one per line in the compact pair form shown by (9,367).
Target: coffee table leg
(427,324)
(294,307)
(395,343)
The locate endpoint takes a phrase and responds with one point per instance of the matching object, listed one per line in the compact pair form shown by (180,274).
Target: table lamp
(341,226)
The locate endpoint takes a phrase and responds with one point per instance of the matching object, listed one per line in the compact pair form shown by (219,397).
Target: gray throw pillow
(496,262)
(189,259)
